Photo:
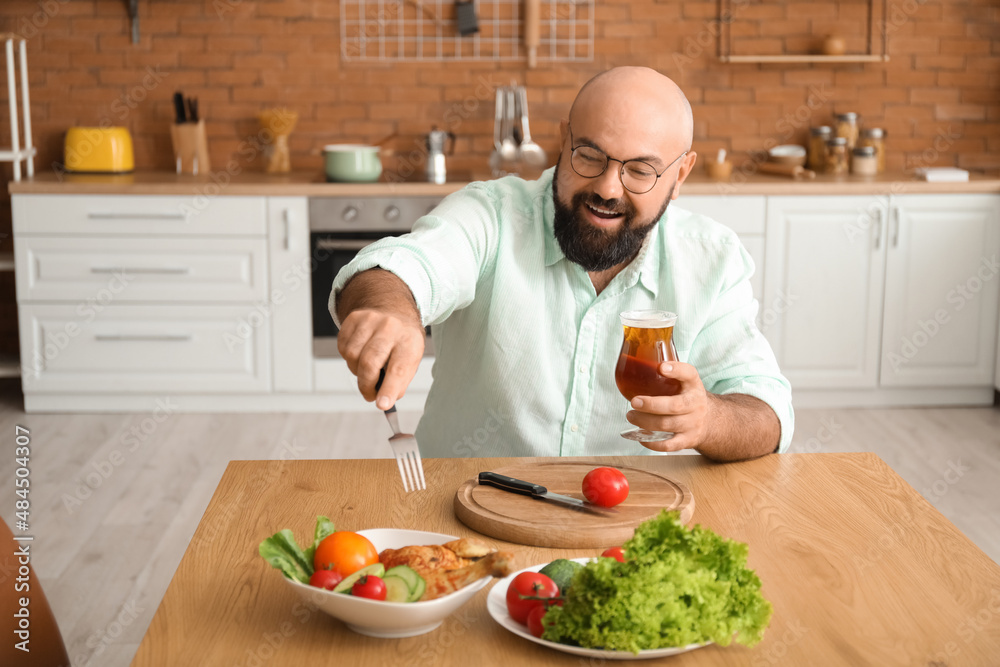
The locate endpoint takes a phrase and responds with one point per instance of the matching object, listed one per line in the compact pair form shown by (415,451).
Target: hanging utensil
(465,18)
(495,158)
(532,14)
(508,148)
(530,153)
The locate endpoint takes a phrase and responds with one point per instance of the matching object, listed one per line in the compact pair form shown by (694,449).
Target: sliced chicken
(443,582)
(470,547)
(423,559)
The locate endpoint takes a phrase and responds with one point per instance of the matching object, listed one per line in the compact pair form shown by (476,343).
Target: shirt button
(583,369)
(574,428)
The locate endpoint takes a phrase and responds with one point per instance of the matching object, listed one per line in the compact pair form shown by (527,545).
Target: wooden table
(861,570)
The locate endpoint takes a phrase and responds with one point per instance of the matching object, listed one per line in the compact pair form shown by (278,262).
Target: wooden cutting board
(525,520)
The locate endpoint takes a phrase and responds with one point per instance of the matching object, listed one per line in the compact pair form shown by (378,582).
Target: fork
(405,448)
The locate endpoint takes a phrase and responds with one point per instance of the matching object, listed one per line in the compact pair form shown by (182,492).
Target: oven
(338,228)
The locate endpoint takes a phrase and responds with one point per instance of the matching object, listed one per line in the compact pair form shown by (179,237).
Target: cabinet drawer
(744,214)
(122,270)
(144,215)
(116,349)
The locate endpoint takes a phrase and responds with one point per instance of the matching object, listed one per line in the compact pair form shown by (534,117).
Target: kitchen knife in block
(522,519)
(190,148)
(532,14)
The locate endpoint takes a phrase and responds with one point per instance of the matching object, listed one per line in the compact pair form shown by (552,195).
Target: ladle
(530,153)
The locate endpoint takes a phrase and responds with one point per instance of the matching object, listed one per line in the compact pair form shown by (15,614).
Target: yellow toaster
(101,150)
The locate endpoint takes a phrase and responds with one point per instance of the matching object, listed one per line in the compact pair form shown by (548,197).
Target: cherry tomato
(606,487)
(369,586)
(535,616)
(344,552)
(327,579)
(532,585)
(618,553)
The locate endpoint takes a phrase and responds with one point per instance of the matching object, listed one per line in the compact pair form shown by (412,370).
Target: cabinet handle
(878,228)
(173,338)
(137,216)
(895,228)
(286,217)
(331,244)
(166,270)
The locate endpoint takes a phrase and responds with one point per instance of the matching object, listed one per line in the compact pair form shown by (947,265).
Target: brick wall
(938,95)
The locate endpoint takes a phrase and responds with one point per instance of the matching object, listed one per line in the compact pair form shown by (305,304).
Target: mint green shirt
(525,347)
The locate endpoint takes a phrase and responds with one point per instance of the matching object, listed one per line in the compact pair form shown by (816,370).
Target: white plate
(377,618)
(496,604)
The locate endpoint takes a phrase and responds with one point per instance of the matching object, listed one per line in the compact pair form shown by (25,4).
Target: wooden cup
(190,148)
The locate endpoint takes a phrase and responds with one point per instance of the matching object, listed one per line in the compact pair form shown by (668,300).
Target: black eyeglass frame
(621,171)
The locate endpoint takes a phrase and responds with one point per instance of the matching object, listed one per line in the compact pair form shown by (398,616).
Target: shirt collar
(553,253)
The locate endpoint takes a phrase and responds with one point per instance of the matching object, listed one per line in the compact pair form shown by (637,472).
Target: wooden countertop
(312,184)
(860,569)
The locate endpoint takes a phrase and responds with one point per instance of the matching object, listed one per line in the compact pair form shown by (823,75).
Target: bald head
(640,98)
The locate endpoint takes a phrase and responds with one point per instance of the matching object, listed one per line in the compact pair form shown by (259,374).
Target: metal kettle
(437,148)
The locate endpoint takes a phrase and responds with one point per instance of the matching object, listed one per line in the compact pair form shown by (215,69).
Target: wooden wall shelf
(858,58)
(727,15)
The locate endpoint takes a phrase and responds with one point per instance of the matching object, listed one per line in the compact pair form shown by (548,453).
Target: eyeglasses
(637,177)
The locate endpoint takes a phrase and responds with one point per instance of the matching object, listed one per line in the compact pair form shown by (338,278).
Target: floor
(115,499)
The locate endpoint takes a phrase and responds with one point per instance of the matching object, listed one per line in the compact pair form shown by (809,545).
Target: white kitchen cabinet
(289,306)
(122,298)
(941,290)
(874,286)
(134,269)
(138,215)
(155,349)
(744,214)
(825,263)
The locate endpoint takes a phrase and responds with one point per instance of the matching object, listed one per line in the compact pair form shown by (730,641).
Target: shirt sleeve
(731,354)
(441,259)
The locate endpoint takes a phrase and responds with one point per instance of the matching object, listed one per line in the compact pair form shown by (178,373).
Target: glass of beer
(649,341)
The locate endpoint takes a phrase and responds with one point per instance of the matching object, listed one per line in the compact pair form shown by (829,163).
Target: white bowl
(376,618)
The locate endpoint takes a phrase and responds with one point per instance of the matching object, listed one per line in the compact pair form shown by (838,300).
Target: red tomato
(537,588)
(327,579)
(369,586)
(344,552)
(618,553)
(606,487)
(535,616)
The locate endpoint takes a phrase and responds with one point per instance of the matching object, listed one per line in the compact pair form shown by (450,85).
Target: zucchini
(376,570)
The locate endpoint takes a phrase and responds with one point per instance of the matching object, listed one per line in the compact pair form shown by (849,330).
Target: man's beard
(591,247)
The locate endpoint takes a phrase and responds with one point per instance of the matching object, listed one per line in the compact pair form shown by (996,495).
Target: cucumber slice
(414,582)
(418,592)
(396,589)
(376,570)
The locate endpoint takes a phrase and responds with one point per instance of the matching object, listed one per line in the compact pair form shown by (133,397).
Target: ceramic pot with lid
(352,163)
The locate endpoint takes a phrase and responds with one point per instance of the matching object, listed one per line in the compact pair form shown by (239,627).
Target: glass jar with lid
(836,156)
(847,128)
(874,137)
(863,161)
(816,157)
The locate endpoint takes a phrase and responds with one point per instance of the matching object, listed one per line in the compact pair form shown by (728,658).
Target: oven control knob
(350,213)
(392,213)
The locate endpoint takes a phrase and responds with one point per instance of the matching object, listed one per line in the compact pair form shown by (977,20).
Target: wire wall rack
(419,30)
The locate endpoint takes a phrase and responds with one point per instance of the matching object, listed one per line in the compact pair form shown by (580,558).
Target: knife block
(190,148)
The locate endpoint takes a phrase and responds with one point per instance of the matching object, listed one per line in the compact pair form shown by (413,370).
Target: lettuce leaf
(284,553)
(678,586)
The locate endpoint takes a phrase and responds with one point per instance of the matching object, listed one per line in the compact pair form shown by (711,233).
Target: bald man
(523,282)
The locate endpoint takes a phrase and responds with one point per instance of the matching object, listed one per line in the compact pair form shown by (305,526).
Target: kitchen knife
(179,108)
(523,488)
